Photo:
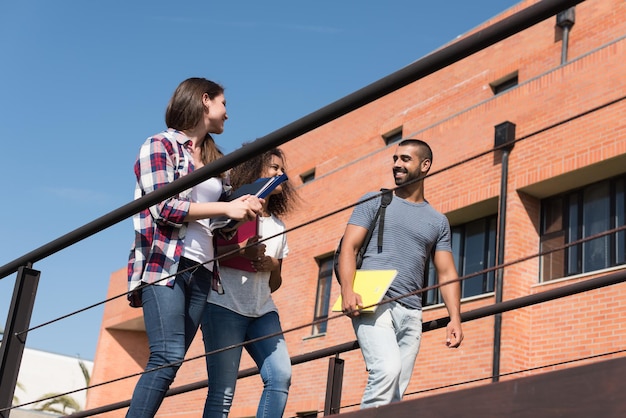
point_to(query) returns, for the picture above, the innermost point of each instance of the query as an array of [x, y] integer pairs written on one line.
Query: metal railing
[[26, 284], [335, 372]]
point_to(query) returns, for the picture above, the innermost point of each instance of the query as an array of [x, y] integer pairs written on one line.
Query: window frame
[[394, 136], [308, 176], [459, 245], [573, 260], [505, 83], [322, 294]]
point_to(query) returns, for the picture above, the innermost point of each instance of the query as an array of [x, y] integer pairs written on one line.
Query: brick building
[[563, 87]]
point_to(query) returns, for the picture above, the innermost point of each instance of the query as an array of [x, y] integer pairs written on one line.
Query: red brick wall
[[455, 111]]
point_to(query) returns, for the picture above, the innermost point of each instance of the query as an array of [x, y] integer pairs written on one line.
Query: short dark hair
[[425, 151]]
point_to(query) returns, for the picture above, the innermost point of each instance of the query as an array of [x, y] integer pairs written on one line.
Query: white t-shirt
[[248, 293], [198, 241]]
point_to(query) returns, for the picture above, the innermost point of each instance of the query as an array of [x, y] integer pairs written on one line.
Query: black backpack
[[385, 200]]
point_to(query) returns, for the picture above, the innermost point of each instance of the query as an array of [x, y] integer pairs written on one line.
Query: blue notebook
[[261, 188]]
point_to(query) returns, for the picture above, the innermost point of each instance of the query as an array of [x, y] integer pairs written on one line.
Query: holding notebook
[[246, 230], [372, 286], [415, 237], [261, 188]]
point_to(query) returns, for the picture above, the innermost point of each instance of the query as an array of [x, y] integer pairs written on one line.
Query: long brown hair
[[210, 151], [252, 169], [185, 110]]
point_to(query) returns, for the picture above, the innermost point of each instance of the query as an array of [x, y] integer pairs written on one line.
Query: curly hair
[[252, 169]]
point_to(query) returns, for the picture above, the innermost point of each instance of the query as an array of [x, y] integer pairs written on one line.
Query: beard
[[407, 178]]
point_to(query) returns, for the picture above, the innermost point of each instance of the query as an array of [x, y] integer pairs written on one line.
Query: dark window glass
[[392, 137], [473, 249], [620, 214], [596, 219], [491, 253], [475, 257], [586, 212], [322, 299], [553, 221], [552, 261], [505, 83], [308, 176], [573, 231]]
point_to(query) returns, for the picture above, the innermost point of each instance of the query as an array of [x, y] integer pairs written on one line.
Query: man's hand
[[454, 334], [351, 302], [352, 240]]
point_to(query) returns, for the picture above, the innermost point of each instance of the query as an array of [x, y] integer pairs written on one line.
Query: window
[[322, 299], [393, 136], [474, 250], [577, 215], [505, 83], [308, 176]]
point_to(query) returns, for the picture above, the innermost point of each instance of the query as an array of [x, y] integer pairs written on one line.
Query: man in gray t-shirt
[[413, 231]]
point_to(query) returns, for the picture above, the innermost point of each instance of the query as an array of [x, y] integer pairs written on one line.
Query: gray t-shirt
[[412, 233]]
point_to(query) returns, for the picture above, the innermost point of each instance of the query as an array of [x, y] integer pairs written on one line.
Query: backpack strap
[[385, 200], [370, 231]]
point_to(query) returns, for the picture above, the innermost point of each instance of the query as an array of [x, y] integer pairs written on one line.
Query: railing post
[[13, 341], [333, 386]]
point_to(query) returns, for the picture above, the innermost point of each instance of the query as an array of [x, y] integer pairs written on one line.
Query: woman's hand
[[251, 251], [265, 263], [244, 208]]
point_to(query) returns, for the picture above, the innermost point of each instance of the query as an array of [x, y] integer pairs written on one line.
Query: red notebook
[[245, 231]]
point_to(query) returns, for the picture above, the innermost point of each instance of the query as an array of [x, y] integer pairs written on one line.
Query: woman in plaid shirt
[[170, 268]]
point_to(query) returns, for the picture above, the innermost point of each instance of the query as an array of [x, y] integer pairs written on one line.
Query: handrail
[[427, 65], [479, 313]]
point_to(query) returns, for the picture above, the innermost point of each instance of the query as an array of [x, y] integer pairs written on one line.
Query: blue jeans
[[221, 328], [171, 316], [390, 340]]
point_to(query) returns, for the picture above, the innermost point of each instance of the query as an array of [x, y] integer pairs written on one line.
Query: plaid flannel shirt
[[160, 229]]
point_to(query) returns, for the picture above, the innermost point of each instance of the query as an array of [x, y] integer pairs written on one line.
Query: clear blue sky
[[83, 83]]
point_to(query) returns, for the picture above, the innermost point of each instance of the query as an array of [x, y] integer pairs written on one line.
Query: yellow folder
[[372, 286]]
